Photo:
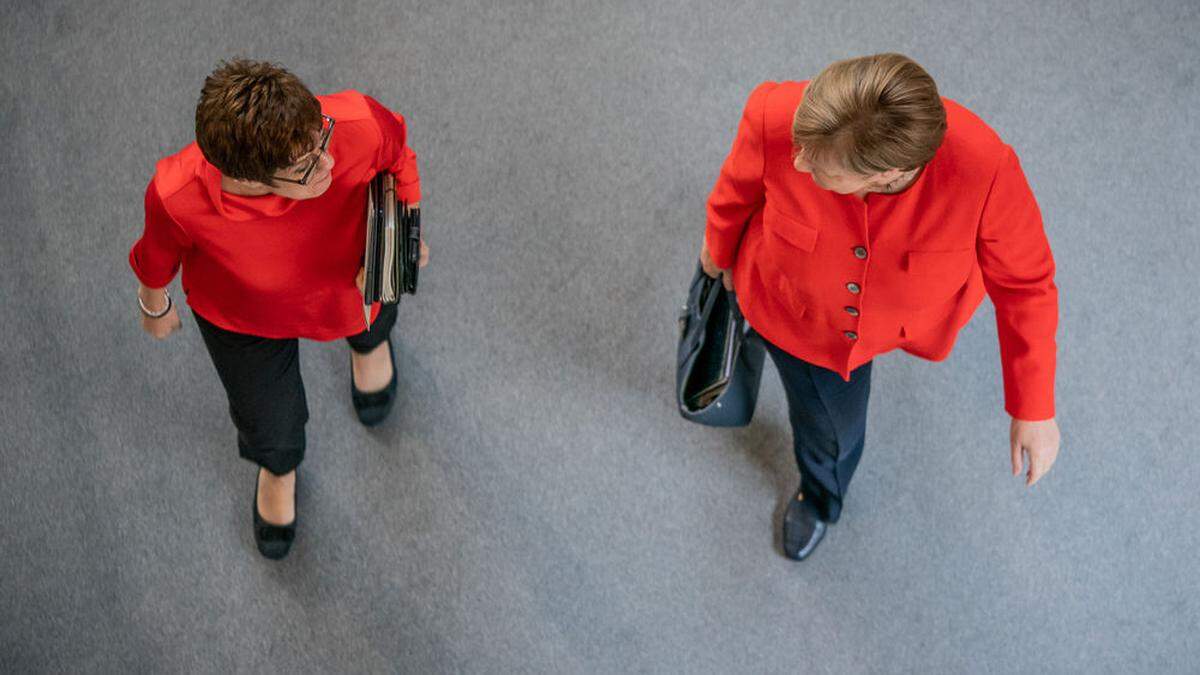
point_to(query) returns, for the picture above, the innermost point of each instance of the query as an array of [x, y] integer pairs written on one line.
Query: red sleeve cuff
[[722, 252], [1031, 412], [1029, 389], [148, 278]]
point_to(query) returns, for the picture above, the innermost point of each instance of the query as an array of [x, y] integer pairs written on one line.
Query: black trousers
[[829, 425], [266, 394]]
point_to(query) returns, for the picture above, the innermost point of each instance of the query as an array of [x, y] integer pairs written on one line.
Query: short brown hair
[[871, 114], [255, 118]]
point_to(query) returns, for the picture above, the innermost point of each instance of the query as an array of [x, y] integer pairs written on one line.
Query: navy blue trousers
[[829, 426]]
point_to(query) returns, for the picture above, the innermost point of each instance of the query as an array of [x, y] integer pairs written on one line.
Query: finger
[[1015, 452], [727, 279], [1039, 469]]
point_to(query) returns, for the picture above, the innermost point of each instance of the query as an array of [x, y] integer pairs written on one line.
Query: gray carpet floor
[[536, 504]]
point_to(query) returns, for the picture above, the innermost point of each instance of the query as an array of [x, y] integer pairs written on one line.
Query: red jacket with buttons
[[268, 265], [836, 280]]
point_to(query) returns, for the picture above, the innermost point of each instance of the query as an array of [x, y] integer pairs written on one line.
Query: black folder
[[393, 246]]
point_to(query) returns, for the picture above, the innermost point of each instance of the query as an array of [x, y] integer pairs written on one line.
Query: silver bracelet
[[152, 315]]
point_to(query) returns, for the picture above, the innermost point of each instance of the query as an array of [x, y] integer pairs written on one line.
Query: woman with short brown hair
[[265, 213]]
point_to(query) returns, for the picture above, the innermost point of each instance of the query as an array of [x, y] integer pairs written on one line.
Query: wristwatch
[[154, 315]]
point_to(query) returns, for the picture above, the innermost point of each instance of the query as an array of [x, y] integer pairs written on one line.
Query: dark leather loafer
[[274, 541], [802, 528], [373, 407]]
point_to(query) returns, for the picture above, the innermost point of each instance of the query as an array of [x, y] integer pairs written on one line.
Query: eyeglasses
[[326, 133]]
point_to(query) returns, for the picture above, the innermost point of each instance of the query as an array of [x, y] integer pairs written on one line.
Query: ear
[[889, 175]]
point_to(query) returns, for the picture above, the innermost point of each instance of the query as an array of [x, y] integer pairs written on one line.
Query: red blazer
[[268, 265], [836, 280]]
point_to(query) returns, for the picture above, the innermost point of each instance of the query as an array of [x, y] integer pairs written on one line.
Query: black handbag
[[720, 360]]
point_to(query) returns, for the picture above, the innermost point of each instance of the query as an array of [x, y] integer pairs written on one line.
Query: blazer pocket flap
[[792, 230], [940, 262]]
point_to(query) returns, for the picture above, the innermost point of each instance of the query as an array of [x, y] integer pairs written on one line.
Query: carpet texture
[[536, 504]]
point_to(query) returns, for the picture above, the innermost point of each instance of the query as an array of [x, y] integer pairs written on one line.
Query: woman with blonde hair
[[862, 212]]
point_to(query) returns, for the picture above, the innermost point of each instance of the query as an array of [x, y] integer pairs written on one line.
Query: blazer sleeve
[[738, 192], [156, 256], [1018, 272], [394, 153]]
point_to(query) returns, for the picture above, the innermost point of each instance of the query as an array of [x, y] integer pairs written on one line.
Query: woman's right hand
[[711, 269], [163, 326]]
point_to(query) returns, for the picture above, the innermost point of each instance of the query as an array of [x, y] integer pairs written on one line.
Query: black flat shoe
[[802, 528], [274, 541], [373, 407]]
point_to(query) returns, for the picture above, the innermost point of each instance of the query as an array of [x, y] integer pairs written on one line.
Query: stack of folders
[[393, 250]]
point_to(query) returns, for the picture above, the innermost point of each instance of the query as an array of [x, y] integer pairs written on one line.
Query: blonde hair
[[870, 114]]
